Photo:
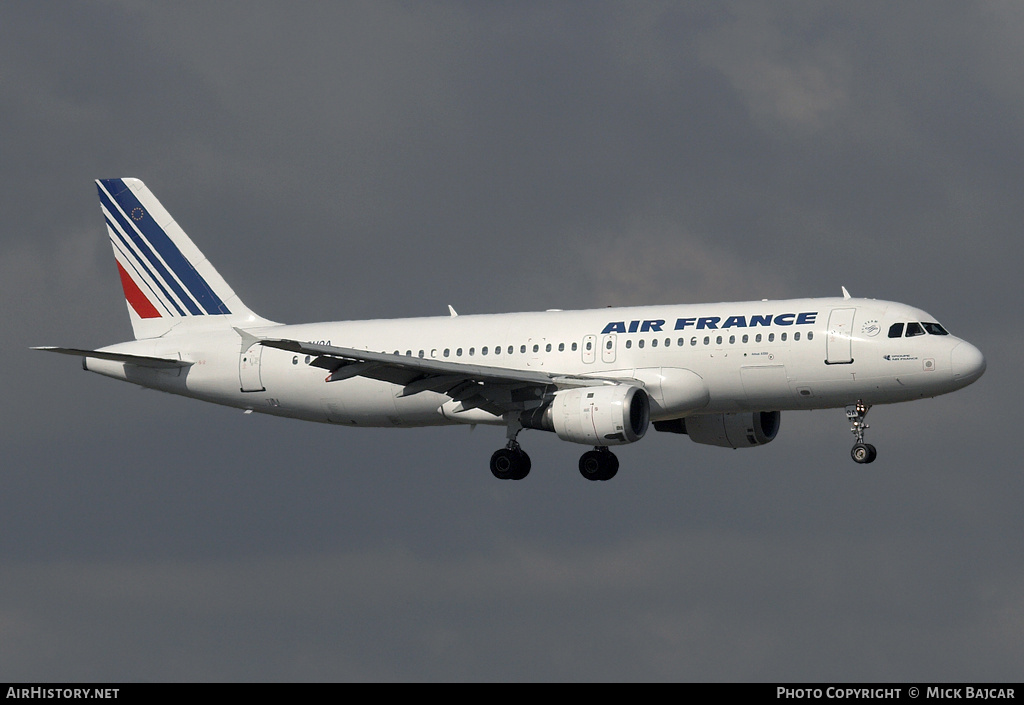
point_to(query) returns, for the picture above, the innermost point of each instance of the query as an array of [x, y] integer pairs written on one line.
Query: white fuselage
[[749, 356]]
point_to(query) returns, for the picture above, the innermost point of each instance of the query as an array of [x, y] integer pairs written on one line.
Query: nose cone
[[968, 363]]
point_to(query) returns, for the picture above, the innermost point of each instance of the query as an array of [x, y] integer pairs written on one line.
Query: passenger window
[[654, 343], [458, 353], [522, 348], [483, 350], [757, 338], [574, 347], [536, 348], [629, 344], [693, 341], [447, 351], [510, 348], [640, 344], [589, 346], [746, 338], [783, 337], [707, 340], [608, 345], [681, 342], [914, 329], [896, 330], [421, 353], [547, 348], [732, 340], [718, 340], [771, 337], [561, 347], [471, 351], [810, 335], [668, 342], [796, 336]]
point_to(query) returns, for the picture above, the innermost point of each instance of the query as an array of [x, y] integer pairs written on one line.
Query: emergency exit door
[[249, 369]]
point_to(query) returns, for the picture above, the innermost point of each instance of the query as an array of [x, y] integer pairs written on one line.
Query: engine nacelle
[[596, 416], [744, 430]]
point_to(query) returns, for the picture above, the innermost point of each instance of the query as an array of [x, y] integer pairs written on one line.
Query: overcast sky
[[383, 160]]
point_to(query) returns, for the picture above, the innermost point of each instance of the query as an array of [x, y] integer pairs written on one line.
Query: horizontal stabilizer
[[159, 363]]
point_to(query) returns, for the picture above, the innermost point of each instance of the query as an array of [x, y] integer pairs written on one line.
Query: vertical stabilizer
[[167, 281]]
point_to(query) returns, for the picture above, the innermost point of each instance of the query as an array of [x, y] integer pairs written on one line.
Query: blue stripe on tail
[[154, 238]]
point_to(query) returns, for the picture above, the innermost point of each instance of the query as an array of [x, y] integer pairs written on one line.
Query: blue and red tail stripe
[[144, 273], [145, 244], [139, 302]]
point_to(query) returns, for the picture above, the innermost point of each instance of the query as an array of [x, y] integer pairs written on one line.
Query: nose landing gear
[[861, 452]]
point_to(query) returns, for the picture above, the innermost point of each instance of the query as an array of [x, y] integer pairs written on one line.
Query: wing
[[496, 390]]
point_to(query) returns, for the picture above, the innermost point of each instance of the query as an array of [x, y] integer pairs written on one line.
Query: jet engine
[[597, 416], [744, 430]]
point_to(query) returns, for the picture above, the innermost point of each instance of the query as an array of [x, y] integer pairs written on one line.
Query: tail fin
[[167, 281]]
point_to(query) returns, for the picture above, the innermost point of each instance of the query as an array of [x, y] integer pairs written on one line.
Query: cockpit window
[[934, 329], [896, 330], [914, 329]]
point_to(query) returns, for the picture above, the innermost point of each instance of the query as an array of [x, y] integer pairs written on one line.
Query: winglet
[[452, 311], [846, 294]]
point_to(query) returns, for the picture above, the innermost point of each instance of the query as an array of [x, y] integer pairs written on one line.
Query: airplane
[[720, 373]]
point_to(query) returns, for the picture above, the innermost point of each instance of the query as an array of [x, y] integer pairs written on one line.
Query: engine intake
[[597, 416]]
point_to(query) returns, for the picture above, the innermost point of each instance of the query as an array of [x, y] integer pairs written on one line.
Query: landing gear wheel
[[864, 453], [599, 464], [510, 464]]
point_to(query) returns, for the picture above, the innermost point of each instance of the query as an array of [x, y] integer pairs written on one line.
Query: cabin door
[[839, 341]]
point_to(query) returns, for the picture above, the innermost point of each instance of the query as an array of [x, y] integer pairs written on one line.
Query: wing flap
[[494, 389], [415, 364]]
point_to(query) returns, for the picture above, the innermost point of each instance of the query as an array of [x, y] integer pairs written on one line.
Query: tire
[[872, 453], [508, 464], [863, 453], [599, 465], [503, 464], [522, 465], [590, 465]]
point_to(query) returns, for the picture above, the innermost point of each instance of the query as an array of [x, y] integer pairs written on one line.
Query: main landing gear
[[511, 462], [599, 464], [862, 452]]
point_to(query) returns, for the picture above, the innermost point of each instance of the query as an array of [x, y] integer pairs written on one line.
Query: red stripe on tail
[[136, 299]]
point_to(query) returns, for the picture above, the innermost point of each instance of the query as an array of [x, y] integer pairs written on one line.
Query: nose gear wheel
[[861, 452]]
